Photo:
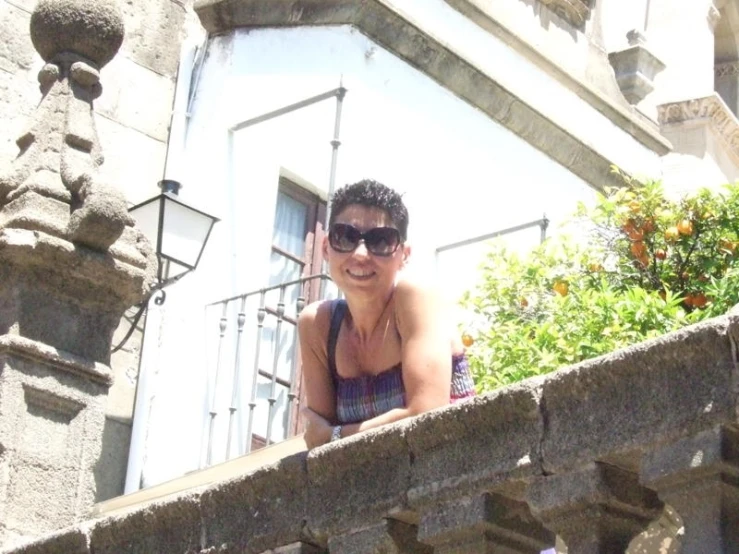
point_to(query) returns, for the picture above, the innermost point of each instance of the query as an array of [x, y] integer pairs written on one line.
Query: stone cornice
[[382, 23], [710, 108], [22, 347], [574, 11]]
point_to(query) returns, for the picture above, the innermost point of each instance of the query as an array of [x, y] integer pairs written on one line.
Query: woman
[[383, 353]]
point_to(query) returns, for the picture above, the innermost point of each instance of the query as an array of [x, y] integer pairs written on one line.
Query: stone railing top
[[711, 109], [586, 430]]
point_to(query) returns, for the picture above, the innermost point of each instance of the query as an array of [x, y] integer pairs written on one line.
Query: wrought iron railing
[[232, 341]]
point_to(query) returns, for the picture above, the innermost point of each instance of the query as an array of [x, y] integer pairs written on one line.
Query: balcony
[[254, 357], [638, 447]]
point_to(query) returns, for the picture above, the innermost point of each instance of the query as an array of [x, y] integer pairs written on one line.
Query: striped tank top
[[362, 398]]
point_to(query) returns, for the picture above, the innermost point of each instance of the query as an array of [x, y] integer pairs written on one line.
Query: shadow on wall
[[110, 469]]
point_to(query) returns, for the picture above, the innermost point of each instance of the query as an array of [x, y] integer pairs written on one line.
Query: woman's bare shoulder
[[414, 289], [314, 318]]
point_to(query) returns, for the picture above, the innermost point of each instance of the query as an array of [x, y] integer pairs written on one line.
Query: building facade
[[486, 114]]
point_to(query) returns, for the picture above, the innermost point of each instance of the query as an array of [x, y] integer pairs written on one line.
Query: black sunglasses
[[380, 241]]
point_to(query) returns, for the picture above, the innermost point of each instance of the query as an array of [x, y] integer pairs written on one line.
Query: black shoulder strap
[[339, 309]]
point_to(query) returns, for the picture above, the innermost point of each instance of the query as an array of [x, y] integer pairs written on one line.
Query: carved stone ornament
[[728, 69], [711, 108], [60, 154], [574, 11], [635, 69]]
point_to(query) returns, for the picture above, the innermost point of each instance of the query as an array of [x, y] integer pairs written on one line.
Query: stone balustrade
[[592, 454]]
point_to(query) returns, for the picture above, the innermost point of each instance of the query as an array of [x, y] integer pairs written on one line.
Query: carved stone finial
[[91, 29], [54, 185]]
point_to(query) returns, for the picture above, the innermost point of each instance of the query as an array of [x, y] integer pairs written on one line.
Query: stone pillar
[[71, 263], [699, 477], [681, 35], [596, 510], [486, 523]]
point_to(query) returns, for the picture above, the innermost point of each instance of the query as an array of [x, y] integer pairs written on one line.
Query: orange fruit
[[699, 300], [727, 246], [638, 249], [561, 288], [685, 227], [660, 254], [636, 234], [467, 340], [523, 302], [648, 226], [672, 234]]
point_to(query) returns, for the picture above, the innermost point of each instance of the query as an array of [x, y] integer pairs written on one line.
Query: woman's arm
[[320, 396]]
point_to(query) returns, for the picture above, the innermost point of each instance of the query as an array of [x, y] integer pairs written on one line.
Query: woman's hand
[[317, 429]]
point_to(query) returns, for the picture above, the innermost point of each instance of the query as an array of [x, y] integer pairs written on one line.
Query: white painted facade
[[463, 174]]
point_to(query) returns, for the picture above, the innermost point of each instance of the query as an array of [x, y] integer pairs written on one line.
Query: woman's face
[[360, 271]]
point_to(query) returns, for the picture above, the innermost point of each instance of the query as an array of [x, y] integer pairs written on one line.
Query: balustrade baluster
[[292, 395], [273, 385], [261, 312], [223, 324], [235, 388]]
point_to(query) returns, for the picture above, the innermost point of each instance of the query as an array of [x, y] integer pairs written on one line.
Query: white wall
[[462, 175]]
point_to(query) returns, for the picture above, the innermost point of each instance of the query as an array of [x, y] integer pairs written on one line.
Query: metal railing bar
[[222, 325], [273, 385], [271, 288], [253, 396], [235, 381], [292, 393], [268, 375], [287, 109], [285, 317], [542, 223]]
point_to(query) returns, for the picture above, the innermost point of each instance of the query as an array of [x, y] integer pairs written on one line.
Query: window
[[295, 253]]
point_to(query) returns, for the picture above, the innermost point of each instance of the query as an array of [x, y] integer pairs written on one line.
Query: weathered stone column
[[70, 264], [596, 510], [699, 477]]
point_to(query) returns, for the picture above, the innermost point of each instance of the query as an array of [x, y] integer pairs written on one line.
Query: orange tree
[[644, 264]]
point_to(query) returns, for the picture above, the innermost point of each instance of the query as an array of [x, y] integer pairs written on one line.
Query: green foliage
[[647, 265]]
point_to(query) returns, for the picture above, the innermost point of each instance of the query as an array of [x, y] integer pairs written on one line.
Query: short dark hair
[[372, 194]]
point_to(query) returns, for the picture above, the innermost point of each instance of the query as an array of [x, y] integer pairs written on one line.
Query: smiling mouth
[[360, 275]]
